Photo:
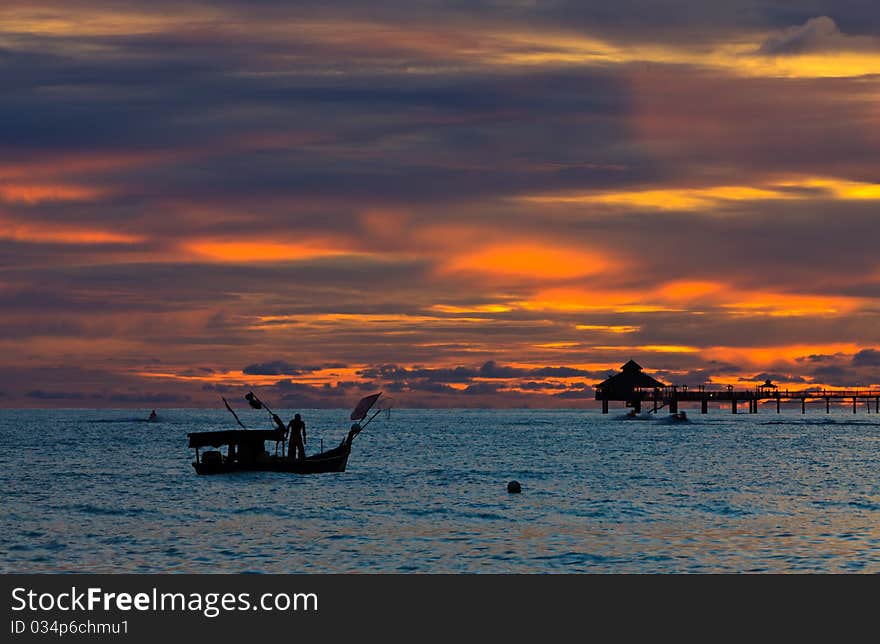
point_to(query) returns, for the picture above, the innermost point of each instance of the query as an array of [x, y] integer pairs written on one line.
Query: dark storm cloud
[[843, 370], [818, 358], [223, 389], [423, 386], [836, 376], [820, 34], [302, 395], [149, 398], [774, 377], [284, 368], [491, 369], [484, 383], [395, 373], [583, 393], [714, 371], [39, 394], [532, 385], [481, 389], [867, 358]]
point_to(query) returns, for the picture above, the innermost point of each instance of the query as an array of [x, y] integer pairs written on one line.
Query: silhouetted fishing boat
[[246, 447]]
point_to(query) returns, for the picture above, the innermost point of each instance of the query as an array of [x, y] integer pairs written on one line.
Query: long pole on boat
[[233, 413], [370, 419], [256, 403]]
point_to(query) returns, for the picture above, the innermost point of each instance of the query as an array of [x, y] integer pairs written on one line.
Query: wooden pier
[[637, 389]]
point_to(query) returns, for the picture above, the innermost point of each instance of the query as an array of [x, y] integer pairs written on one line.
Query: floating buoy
[[514, 487]]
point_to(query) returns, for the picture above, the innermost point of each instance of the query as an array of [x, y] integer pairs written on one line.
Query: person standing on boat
[[297, 429]]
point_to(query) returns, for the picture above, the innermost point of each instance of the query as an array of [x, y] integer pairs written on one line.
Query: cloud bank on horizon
[[490, 205]]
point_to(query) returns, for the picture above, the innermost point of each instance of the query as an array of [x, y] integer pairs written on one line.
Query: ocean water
[[425, 491]]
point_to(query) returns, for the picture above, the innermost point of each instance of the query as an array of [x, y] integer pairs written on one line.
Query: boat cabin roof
[[234, 437]]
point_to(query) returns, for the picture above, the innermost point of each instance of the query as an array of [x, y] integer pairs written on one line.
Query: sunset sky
[[462, 204]]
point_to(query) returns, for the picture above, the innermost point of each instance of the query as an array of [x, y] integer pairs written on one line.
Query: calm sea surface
[[425, 491]]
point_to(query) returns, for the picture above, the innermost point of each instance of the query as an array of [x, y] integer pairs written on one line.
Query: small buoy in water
[[514, 487]]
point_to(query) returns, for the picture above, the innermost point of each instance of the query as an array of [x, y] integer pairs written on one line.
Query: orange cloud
[[260, 251], [650, 348], [593, 299], [388, 322], [706, 197], [770, 355], [608, 328], [532, 262], [62, 234], [477, 308], [85, 21], [37, 193], [679, 296]]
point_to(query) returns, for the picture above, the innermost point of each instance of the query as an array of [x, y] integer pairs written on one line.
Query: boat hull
[[333, 460]]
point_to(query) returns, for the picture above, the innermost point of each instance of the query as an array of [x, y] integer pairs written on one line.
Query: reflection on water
[[102, 491]]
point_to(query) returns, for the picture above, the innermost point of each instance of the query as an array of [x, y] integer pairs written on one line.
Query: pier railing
[[671, 396]]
